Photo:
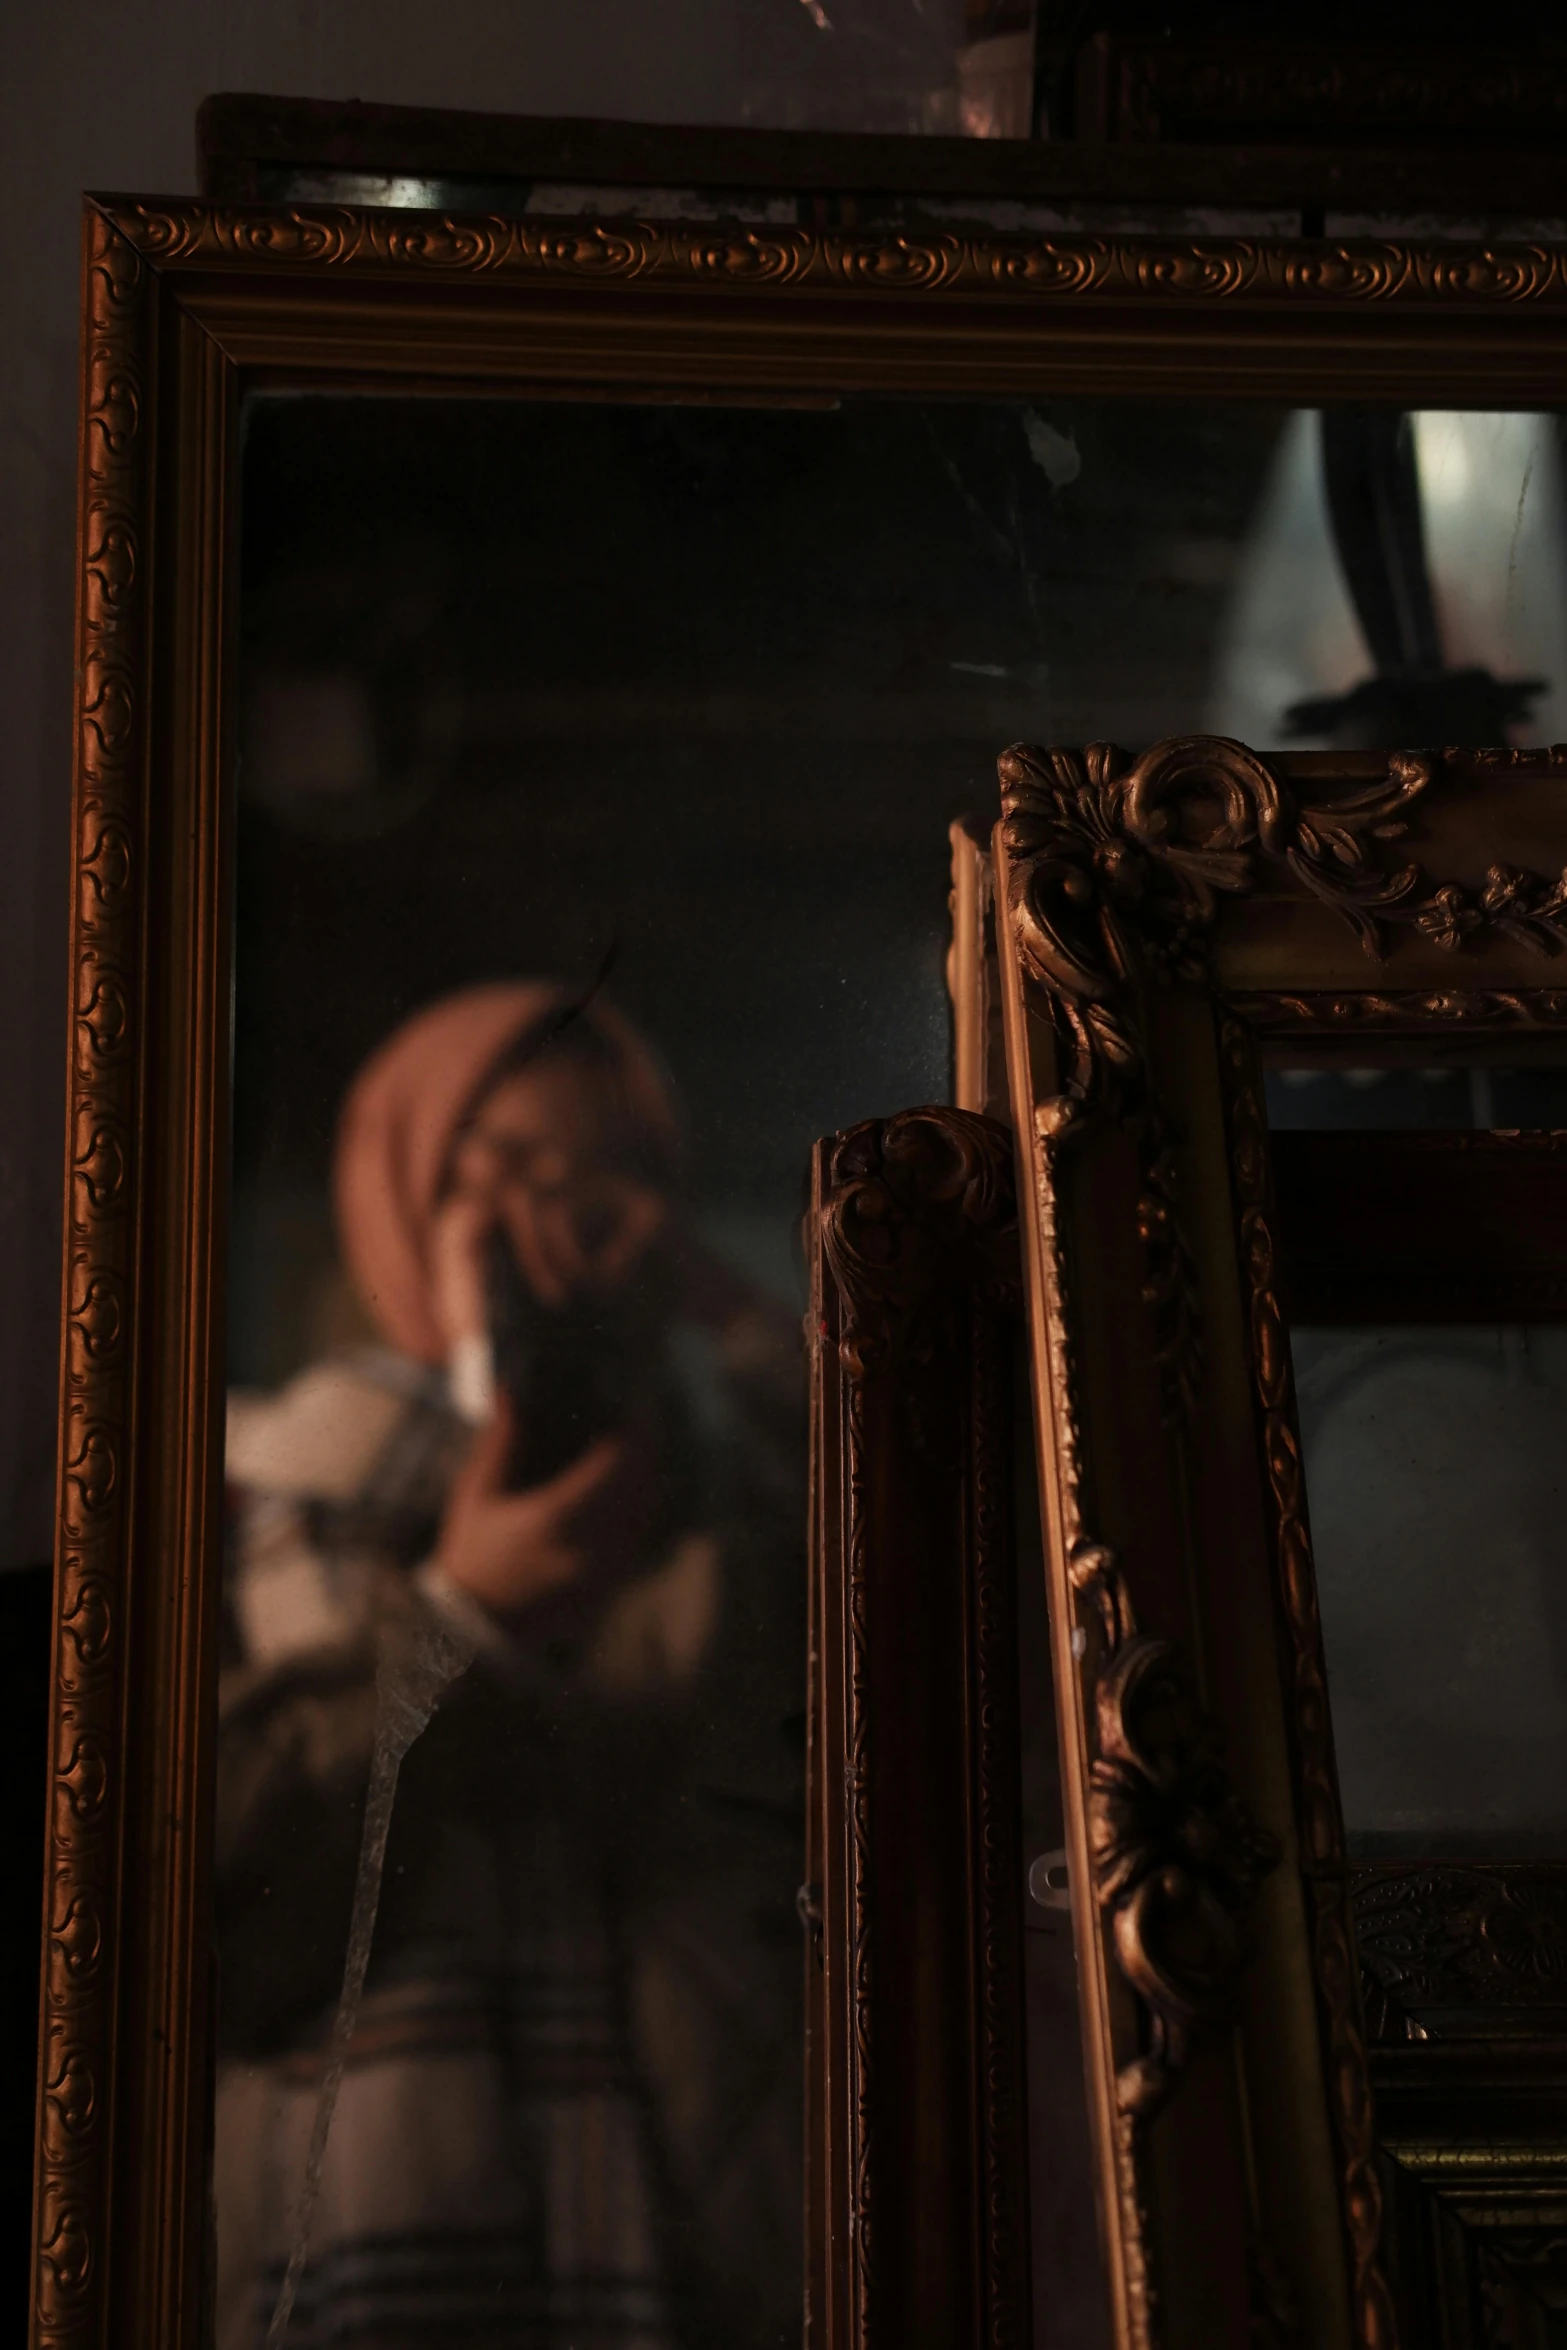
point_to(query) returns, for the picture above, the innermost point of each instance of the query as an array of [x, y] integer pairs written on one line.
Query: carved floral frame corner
[[1117, 869]]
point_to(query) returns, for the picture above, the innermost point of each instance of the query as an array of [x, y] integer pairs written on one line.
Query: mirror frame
[[1163, 921], [187, 307]]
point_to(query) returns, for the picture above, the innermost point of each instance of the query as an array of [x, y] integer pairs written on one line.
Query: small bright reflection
[[1491, 496], [384, 190], [1492, 492], [1442, 445]]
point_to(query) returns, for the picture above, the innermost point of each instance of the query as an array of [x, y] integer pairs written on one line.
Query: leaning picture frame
[[916, 2083], [1177, 930], [189, 309]]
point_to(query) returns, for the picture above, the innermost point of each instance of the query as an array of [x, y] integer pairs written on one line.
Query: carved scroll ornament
[[1119, 864], [1117, 868], [1337, 274], [1176, 1855], [904, 1192], [1478, 1942]]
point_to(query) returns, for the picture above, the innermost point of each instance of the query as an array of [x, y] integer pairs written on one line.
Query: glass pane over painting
[[594, 773], [1437, 1480]]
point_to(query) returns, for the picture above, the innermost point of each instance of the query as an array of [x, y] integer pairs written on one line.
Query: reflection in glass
[[673, 706], [527, 690], [1436, 1474], [509, 1788], [1492, 575]]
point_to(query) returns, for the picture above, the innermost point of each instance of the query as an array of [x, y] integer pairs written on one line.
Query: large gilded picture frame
[[186, 308], [1171, 923]]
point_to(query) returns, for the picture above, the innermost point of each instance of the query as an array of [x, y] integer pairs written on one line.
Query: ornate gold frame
[[1161, 919], [185, 307]]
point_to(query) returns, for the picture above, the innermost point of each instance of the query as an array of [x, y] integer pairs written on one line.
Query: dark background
[[525, 684]]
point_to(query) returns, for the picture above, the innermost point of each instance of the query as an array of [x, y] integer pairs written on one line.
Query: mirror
[[1433, 1470], [593, 767], [593, 761], [532, 687]]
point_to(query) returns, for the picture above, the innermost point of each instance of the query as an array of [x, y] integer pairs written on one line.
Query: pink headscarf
[[402, 1116]]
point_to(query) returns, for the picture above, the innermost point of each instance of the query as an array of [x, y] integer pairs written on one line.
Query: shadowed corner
[[24, 1732]]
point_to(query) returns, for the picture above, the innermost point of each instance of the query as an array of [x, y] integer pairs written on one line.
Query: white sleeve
[[470, 1378], [287, 1599]]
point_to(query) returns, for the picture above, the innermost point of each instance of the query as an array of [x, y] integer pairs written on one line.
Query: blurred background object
[[1405, 580], [996, 70]]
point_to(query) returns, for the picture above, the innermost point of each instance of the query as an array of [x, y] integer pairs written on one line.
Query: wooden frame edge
[[85, 1799], [914, 1284], [1350, 275]]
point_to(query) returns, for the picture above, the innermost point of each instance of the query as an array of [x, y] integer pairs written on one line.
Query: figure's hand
[[510, 1550]]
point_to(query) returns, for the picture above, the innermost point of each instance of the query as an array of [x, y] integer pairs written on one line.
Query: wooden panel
[[246, 144]]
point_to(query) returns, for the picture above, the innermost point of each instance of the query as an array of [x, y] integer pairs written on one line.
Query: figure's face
[[547, 1154]]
